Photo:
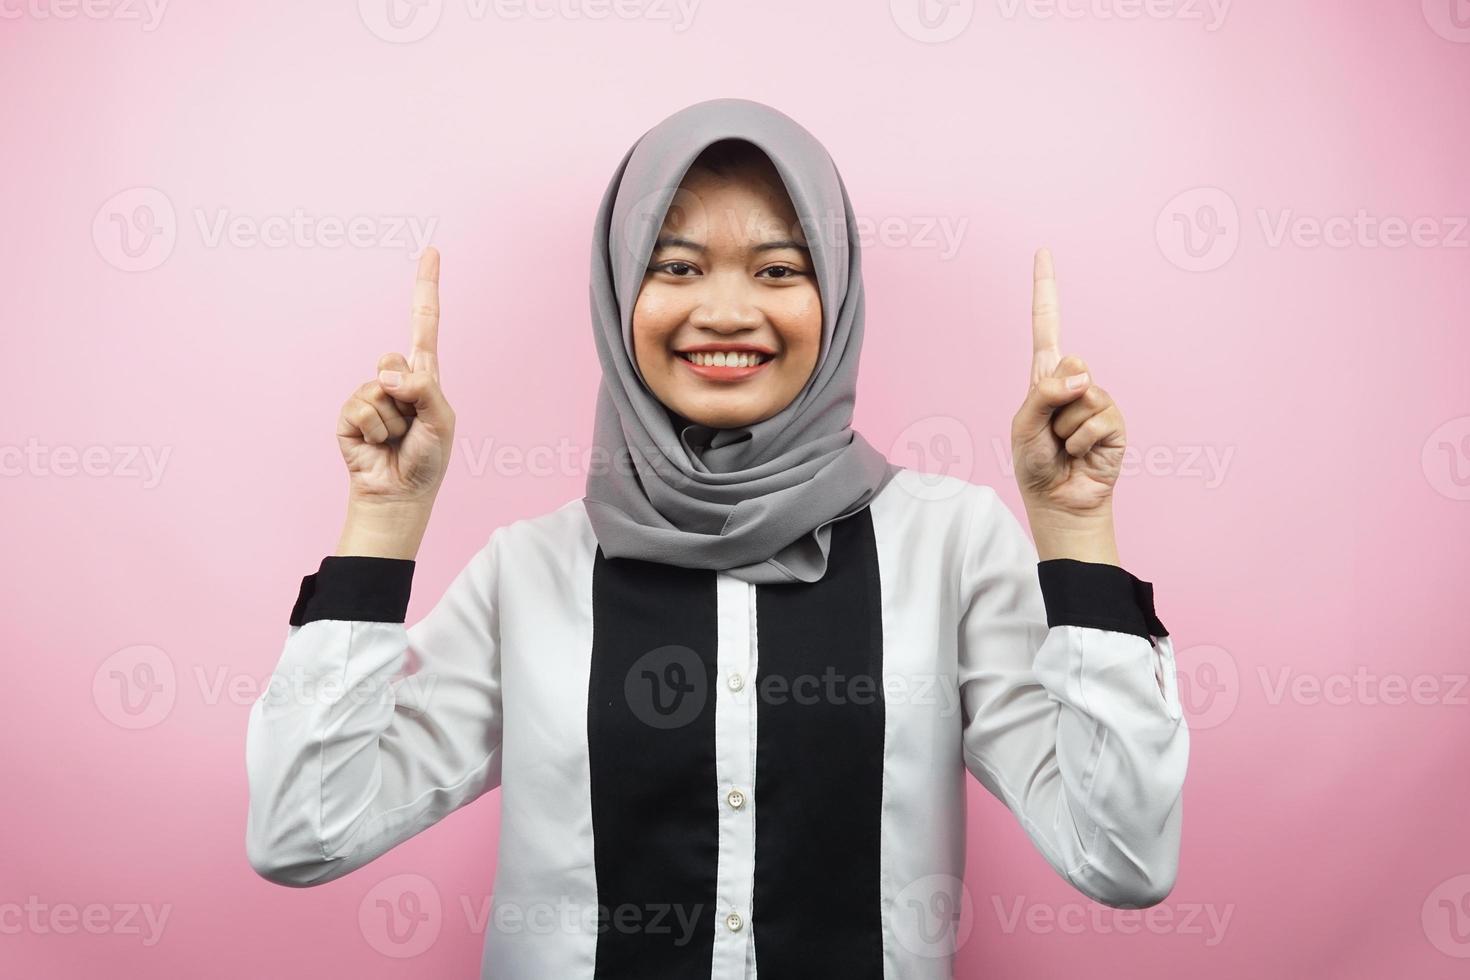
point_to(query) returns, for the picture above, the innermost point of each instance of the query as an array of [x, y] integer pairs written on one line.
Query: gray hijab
[[756, 501]]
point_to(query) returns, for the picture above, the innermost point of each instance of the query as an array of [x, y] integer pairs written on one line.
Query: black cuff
[[1087, 593], [355, 587]]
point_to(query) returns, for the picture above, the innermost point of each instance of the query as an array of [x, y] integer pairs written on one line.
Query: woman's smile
[[725, 363]]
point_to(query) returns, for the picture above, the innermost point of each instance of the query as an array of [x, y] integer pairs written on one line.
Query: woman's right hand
[[396, 430]]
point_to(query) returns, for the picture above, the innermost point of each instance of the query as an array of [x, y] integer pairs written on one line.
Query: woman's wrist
[[383, 530], [1081, 537]]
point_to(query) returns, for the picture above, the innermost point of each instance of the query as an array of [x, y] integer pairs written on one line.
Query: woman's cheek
[[652, 325], [804, 319]]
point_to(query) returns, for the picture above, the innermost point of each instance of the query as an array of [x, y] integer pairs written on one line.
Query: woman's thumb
[[419, 389], [1045, 397]]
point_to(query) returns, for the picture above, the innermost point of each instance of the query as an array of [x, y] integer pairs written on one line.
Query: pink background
[[1301, 407]]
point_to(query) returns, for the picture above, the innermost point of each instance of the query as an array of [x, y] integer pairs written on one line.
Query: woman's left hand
[[1066, 442]]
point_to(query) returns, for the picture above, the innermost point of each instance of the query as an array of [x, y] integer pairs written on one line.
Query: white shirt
[[699, 776]]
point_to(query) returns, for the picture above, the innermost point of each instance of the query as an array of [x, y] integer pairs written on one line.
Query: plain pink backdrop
[[1297, 400]]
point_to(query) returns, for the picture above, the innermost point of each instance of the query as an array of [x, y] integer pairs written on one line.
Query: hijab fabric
[[756, 501]]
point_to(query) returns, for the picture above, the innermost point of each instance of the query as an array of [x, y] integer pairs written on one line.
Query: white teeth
[[725, 358]]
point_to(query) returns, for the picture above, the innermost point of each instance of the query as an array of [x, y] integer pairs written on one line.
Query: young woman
[[731, 694]]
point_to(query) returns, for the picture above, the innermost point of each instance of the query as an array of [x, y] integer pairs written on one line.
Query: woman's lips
[[713, 373]]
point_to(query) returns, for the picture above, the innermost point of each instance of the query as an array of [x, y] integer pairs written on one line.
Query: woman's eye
[[788, 271], [673, 268]]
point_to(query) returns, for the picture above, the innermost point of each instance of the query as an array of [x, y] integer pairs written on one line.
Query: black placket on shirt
[[819, 767], [651, 749], [816, 908]]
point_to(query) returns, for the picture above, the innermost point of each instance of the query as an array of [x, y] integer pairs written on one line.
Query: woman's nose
[[726, 306]]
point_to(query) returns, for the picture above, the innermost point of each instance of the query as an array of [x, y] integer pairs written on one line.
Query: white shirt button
[[733, 922], [736, 682], [735, 798]]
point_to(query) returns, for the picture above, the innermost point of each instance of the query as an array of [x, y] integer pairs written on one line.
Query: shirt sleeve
[[371, 731], [1071, 709]]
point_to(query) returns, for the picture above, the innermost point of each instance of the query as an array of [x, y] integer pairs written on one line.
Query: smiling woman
[[733, 692], [728, 321]]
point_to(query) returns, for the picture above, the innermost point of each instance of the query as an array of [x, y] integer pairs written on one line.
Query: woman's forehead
[[744, 205]]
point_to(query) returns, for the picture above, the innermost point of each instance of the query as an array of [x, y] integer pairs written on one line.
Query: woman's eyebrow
[[673, 241], [782, 243]]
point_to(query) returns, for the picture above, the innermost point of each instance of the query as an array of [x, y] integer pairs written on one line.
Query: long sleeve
[[1071, 710], [370, 731]]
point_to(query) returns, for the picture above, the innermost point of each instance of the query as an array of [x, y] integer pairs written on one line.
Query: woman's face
[[728, 321]]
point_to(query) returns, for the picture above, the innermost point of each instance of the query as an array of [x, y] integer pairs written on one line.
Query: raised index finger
[[425, 310], [1046, 321]]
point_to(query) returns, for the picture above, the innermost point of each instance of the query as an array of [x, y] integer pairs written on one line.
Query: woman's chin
[[726, 416]]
